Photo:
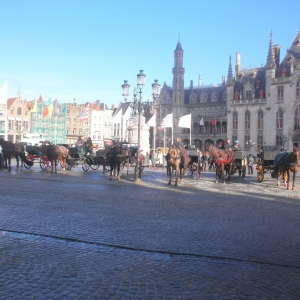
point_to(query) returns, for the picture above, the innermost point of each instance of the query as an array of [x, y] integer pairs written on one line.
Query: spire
[[230, 75], [270, 59], [200, 83], [178, 47]]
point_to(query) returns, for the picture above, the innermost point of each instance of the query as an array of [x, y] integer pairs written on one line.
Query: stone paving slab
[[81, 236]]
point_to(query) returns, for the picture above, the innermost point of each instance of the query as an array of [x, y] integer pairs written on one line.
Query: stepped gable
[[292, 54], [256, 77], [208, 90]]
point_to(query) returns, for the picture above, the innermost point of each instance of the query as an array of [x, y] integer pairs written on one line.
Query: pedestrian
[[250, 164], [152, 160], [204, 161]]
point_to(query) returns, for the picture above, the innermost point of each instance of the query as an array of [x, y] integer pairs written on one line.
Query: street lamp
[[250, 144], [137, 109]]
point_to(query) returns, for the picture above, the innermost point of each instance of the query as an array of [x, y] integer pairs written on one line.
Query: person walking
[[152, 160], [250, 164]]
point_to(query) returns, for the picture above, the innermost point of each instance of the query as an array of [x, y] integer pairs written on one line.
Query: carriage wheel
[[94, 167], [85, 165], [44, 162], [260, 172], [30, 158], [69, 164]]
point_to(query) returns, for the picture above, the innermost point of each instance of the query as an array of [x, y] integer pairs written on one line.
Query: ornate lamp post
[[137, 110], [250, 144]]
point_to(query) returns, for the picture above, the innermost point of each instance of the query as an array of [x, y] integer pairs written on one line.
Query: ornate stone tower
[[178, 85]]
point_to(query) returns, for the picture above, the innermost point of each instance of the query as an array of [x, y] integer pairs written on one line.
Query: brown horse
[[11, 150], [175, 162], [289, 165], [55, 153], [223, 161]]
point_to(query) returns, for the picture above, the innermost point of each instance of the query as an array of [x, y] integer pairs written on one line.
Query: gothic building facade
[[204, 103], [256, 106]]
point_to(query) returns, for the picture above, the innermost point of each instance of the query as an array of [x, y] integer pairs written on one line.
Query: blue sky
[[84, 50]]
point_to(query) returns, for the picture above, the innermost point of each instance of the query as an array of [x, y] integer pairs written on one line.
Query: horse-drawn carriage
[[264, 161], [34, 154], [239, 163], [194, 163], [82, 156]]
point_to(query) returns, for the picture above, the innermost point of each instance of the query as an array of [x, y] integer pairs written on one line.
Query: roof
[[252, 79], [208, 90], [10, 101], [293, 53]]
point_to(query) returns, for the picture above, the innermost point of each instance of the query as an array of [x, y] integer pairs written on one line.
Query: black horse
[[11, 150], [116, 157]]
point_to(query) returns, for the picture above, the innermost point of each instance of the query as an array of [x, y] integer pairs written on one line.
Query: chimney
[[238, 64], [276, 55]]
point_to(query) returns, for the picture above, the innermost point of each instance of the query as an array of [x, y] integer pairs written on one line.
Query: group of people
[[155, 159]]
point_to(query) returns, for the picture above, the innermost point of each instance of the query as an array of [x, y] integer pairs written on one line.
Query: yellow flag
[[50, 110], [34, 108]]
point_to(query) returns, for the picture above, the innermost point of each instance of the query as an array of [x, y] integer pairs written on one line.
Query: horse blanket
[[280, 158]]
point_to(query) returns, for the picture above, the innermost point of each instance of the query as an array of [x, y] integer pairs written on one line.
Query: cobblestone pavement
[[77, 235]]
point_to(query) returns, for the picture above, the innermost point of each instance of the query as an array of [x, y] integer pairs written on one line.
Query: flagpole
[[164, 140], [154, 133], [191, 131], [172, 129]]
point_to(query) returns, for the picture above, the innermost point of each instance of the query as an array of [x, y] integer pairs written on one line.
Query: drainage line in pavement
[[151, 251]]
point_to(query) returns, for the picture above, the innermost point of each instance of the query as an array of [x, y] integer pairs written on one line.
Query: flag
[[185, 121], [34, 106], [48, 110], [133, 122], [152, 121], [167, 121], [3, 94], [84, 114], [201, 122], [213, 121], [55, 108]]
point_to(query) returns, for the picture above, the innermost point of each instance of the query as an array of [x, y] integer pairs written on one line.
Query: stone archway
[[198, 144], [207, 143]]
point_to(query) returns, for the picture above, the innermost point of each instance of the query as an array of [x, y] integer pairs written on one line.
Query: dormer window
[[236, 96]]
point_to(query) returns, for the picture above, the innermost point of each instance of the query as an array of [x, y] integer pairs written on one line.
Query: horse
[[55, 153], [223, 162], [289, 165], [16, 150], [115, 157], [175, 162]]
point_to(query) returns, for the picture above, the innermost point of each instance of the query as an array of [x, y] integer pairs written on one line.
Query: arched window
[[218, 125], [196, 127], [235, 120], [279, 118], [214, 97], [206, 127], [298, 90], [224, 127], [297, 119], [19, 111], [260, 120], [247, 119], [203, 97], [193, 98]]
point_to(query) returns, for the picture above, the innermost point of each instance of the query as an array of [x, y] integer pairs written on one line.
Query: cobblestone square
[[76, 235]]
